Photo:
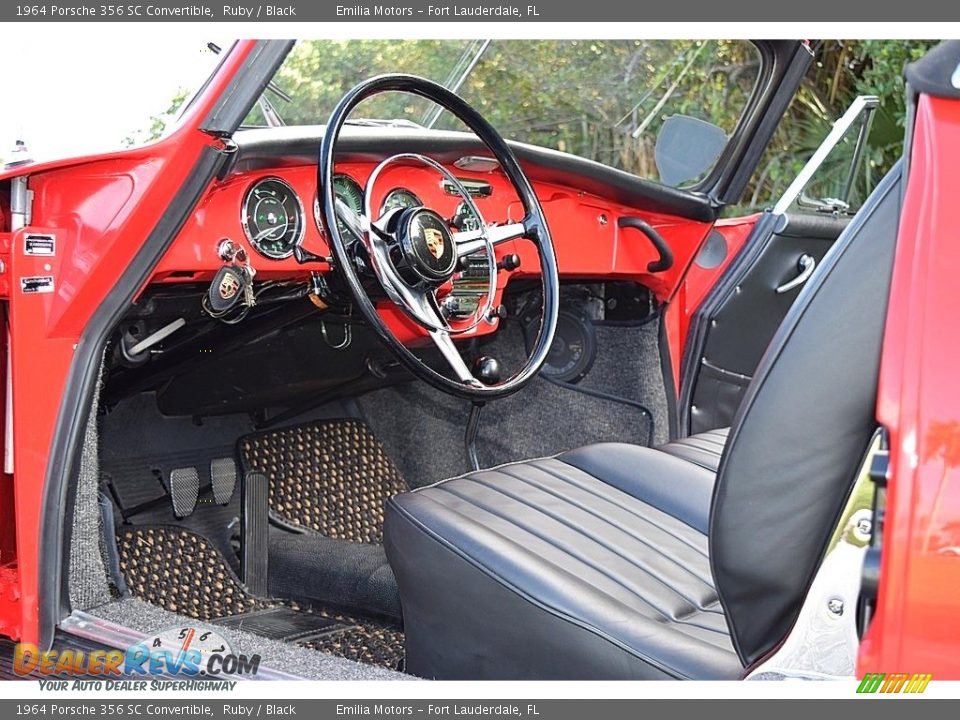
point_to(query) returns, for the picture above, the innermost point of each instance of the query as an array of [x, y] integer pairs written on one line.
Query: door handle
[[805, 265]]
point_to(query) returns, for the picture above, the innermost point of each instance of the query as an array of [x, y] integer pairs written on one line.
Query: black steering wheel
[[413, 251]]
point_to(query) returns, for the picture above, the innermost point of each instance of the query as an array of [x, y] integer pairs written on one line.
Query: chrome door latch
[[806, 265]]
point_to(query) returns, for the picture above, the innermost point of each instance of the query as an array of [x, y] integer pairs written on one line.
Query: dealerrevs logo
[[179, 651], [894, 683]]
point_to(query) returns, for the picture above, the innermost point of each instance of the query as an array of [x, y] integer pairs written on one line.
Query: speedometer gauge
[[399, 198], [272, 218], [348, 190]]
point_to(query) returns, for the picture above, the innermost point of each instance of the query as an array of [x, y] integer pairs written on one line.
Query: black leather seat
[[691, 561], [703, 449]]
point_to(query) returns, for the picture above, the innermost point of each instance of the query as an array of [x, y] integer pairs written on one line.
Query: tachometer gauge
[[272, 218], [399, 198], [348, 190]]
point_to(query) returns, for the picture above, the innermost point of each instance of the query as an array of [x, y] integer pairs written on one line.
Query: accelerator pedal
[[223, 479], [184, 489], [255, 524]]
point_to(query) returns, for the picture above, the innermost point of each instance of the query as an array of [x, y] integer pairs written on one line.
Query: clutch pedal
[[184, 489]]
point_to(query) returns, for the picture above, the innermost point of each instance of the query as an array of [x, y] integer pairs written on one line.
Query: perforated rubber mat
[[330, 476], [370, 644], [181, 571]]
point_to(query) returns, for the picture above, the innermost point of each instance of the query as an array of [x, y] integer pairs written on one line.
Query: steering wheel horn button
[[427, 244]]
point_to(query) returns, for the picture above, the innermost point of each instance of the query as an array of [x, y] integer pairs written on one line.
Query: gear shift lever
[[470, 439]]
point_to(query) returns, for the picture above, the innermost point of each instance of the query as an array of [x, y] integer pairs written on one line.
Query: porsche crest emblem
[[434, 240], [229, 286]]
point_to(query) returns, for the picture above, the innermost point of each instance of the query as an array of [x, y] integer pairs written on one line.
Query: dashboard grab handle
[[666, 255]]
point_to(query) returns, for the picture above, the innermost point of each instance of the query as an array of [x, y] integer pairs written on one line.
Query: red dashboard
[[588, 242]]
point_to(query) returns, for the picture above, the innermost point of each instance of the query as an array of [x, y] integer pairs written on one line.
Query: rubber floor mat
[[333, 477], [365, 643], [182, 572]]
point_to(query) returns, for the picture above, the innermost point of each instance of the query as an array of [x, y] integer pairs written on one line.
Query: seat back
[[801, 432]]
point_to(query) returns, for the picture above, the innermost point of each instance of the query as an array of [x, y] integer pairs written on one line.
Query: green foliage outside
[[841, 71], [606, 99]]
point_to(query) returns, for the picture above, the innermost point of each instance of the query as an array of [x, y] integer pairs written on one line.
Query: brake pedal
[[184, 489], [254, 523], [223, 479]]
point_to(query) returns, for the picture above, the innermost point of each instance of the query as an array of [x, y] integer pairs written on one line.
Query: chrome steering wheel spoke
[[471, 241]]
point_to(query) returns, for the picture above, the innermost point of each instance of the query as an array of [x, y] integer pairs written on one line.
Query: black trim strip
[[248, 84], [669, 386], [791, 61]]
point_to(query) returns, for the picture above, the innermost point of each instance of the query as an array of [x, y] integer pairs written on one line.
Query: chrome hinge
[[21, 203]]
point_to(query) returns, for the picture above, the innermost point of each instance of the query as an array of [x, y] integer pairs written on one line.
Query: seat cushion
[[571, 567], [703, 449]]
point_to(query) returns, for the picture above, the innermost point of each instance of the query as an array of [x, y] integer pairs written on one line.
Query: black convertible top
[[938, 72]]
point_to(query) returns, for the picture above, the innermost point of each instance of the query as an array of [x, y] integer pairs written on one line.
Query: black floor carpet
[[422, 428]]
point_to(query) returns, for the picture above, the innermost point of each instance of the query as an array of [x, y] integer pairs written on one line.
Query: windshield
[[108, 95], [604, 100]]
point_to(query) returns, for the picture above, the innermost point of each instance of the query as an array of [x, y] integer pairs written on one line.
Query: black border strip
[[754, 246]]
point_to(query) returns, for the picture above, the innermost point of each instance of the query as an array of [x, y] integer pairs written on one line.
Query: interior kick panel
[[737, 321]]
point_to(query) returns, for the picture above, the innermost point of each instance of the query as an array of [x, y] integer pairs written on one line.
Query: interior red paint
[[102, 208], [916, 627], [587, 240]]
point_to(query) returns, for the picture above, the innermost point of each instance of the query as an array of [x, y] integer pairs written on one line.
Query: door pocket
[[719, 393]]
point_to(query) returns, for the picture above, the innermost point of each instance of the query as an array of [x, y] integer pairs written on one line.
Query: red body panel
[[101, 210], [917, 624]]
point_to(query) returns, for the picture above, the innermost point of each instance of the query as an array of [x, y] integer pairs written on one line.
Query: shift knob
[[487, 370]]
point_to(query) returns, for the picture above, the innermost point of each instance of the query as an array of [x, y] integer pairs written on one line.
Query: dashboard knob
[[498, 312], [487, 370], [509, 262]]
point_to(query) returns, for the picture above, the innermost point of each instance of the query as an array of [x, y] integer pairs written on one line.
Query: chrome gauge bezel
[[400, 189], [301, 217]]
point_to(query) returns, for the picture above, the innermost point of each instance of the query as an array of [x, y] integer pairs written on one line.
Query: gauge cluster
[[272, 214], [400, 198]]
